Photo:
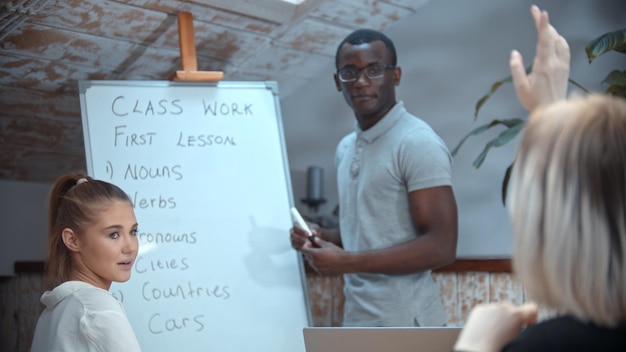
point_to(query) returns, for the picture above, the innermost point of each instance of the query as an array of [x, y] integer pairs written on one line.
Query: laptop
[[380, 339]]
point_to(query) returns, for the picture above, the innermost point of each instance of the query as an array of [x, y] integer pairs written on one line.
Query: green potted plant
[[615, 80]]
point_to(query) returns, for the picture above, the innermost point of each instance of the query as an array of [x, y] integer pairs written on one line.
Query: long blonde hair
[[568, 208]]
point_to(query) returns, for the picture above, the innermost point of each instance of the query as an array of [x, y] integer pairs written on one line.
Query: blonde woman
[[568, 210], [92, 242]]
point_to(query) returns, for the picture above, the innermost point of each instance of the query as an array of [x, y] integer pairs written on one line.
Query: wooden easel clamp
[[189, 62]]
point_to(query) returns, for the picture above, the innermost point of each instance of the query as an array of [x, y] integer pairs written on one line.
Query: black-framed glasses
[[351, 74]]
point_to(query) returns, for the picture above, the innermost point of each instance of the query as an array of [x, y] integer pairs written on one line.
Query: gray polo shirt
[[376, 170]]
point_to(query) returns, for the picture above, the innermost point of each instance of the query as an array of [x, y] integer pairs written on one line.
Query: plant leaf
[[617, 90], [505, 182], [615, 77], [493, 89], [617, 83], [503, 138], [615, 40], [579, 85], [478, 130]]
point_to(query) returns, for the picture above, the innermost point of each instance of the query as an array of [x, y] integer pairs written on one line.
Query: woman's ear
[[70, 239]]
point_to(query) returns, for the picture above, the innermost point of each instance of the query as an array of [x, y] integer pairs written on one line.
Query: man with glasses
[[397, 211]]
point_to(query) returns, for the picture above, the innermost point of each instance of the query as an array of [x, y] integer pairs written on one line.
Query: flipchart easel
[[188, 58]]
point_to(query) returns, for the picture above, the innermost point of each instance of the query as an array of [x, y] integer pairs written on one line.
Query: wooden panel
[[469, 265], [9, 305], [23, 163], [326, 299], [133, 31], [229, 38], [361, 13], [43, 139], [312, 35], [279, 60], [212, 41], [338, 302], [69, 47], [449, 293], [37, 104], [287, 84], [86, 56], [504, 287], [271, 10], [44, 133], [24, 267], [42, 75], [413, 5], [208, 14], [486, 265], [226, 43], [472, 289], [320, 297], [162, 63], [107, 19], [20, 309], [30, 290]]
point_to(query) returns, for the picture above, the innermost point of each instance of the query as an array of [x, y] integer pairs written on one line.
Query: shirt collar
[[383, 125]]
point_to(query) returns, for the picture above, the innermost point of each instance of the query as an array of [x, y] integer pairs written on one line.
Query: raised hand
[[547, 81]]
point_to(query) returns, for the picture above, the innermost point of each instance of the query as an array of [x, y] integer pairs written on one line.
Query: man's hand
[[328, 259], [548, 80], [299, 236]]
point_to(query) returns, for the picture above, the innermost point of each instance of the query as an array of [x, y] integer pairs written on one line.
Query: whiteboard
[[206, 168]]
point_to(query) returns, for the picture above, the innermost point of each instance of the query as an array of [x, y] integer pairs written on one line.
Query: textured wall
[[19, 308], [460, 291]]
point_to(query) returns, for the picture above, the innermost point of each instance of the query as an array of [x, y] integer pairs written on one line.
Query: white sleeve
[[109, 330]]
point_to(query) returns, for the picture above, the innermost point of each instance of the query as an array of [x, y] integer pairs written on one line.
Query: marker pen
[[295, 214]]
